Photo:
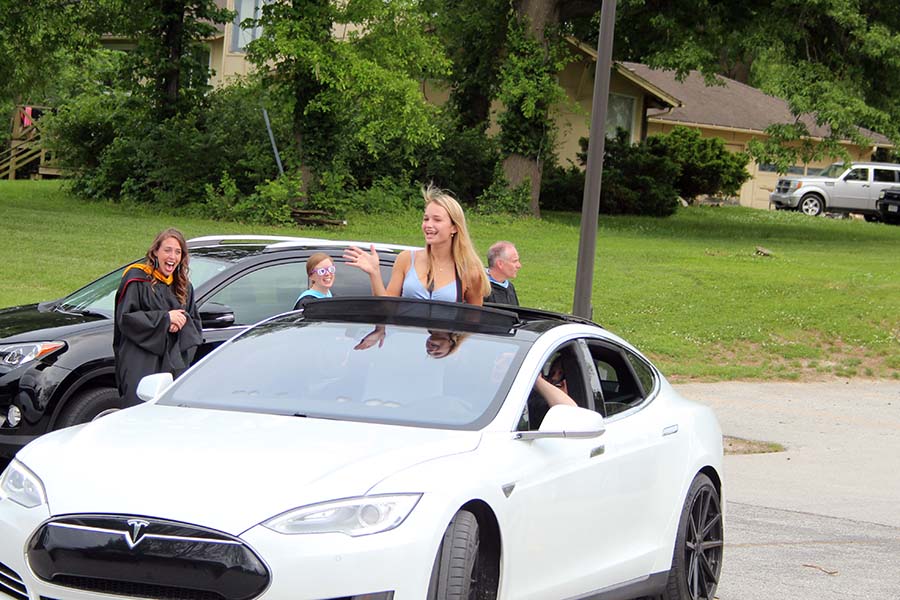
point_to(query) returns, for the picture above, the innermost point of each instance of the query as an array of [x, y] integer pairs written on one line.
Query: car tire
[[89, 405], [452, 577], [812, 205], [697, 559], [872, 218]]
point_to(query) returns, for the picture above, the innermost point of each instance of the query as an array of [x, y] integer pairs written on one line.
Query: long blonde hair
[[465, 258]]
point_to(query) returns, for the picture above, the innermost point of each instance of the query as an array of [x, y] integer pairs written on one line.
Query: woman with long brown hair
[[157, 327], [448, 269]]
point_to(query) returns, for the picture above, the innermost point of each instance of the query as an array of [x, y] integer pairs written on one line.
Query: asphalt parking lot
[[820, 520]]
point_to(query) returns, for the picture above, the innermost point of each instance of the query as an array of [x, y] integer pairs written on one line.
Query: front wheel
[[452, 577], [697, 561], [90, 405], [811, 205]]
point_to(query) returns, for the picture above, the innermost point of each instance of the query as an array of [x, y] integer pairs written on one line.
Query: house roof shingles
[[733, 105]]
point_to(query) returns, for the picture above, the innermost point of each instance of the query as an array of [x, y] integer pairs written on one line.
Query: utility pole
[[590, 204]]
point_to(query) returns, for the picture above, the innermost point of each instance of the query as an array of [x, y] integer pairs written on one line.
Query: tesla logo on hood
[[135, 534]]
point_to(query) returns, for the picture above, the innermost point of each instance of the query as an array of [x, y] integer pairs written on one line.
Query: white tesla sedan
[[376, 449]]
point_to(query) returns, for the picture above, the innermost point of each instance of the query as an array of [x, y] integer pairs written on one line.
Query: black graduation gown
[[142, 342]]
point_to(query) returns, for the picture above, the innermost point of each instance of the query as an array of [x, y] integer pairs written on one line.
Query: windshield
[[833, 171], [100, 295], [385, 374]]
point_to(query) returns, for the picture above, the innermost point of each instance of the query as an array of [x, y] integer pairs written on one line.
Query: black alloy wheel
[[697, 561]]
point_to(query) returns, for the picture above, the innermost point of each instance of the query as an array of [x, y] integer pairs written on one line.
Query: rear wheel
[[453, 575], [89, 405], [811, 205], [697, 561]]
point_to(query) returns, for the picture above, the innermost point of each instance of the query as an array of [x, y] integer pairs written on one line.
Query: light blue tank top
[[413, 288]]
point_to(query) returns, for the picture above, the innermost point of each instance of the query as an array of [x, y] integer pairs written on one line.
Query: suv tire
[[812, 205], [89, 405]]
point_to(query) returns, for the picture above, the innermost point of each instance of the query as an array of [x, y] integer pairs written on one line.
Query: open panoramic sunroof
[[452, 316]]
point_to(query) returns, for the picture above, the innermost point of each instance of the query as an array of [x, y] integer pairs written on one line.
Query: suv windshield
[[833, 171], [100, 295], [357, 372]]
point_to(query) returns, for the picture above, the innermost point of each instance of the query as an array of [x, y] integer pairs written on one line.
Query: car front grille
[[141, 557], [11, 584]]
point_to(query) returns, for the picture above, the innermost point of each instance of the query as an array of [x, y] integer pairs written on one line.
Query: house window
[[620, 115], [245, 9]]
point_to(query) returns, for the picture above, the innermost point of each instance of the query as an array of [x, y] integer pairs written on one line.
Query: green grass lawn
[[690, 291]]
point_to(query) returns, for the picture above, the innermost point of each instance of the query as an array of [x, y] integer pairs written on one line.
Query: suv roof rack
[[282, 242], [433, 314]]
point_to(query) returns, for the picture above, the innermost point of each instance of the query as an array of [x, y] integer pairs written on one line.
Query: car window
[[885, 175], [618, 383], [858, 174], [263, 293], [274, 289], [643, 372], [100, 295], [345, 371], [563, 369]]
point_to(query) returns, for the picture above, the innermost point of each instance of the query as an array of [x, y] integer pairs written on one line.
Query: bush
[[705, 165], [635, 181], [499, 198]]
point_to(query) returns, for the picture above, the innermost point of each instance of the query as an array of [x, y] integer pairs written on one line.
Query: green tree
[[168, 64], [356, 94], [836, 60]]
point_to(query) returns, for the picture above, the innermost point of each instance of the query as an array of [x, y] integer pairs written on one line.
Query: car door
[[579, 507], [882, 179], [852, 191], [645, 447]]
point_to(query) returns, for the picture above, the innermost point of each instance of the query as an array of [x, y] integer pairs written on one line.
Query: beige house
[[734, 112]]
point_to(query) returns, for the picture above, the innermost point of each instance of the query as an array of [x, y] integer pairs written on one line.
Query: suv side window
[[885, 175], [264, 292], [621, 388], [274, 289], [858, 174]]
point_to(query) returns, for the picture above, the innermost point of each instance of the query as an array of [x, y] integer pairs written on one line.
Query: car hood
[[37, 322], [222, 469]]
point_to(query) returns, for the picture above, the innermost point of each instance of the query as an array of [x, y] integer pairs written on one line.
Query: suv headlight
[[352, 516], [16, 355], [22, 486]]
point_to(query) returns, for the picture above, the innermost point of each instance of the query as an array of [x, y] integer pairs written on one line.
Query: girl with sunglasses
[[320, 271]]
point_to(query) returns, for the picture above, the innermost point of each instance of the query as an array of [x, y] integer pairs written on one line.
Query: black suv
[[888, 205], [56, 358]]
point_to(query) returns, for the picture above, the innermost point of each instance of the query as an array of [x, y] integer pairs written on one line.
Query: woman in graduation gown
[[157, 326]]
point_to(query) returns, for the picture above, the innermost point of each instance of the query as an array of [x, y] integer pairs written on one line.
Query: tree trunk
[[169, 82], [517, 169], [538, 15]]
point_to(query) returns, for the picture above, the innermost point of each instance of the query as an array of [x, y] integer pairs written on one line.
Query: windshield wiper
[[74, 310]]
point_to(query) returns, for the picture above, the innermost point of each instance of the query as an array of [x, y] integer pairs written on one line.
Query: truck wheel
[[811, 205], [89, 405]]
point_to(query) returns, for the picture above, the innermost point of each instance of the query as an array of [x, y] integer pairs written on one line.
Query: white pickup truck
[[852, 188]]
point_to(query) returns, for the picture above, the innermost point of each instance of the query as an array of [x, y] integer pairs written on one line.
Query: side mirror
[[150, 387], [214, 315], [564, 421]]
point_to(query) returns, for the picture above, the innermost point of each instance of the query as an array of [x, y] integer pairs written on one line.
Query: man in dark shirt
[[503, 265]]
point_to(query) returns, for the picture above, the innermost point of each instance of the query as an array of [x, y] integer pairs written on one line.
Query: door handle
[[670, 430]]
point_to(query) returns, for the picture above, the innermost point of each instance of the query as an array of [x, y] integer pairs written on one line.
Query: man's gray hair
[[498, 250]]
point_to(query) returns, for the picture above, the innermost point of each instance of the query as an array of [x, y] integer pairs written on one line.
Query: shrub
[[499, 198], [635, 181], [705, 165]]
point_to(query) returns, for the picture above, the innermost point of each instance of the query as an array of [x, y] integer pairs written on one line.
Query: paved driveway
[[822, 519]]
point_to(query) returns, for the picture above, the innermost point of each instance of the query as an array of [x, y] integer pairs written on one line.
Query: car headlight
[[22, 486], [881, 195], [15, 355], [352, 516]]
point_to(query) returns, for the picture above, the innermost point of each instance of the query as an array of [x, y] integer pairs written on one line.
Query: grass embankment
[[690, 291]]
